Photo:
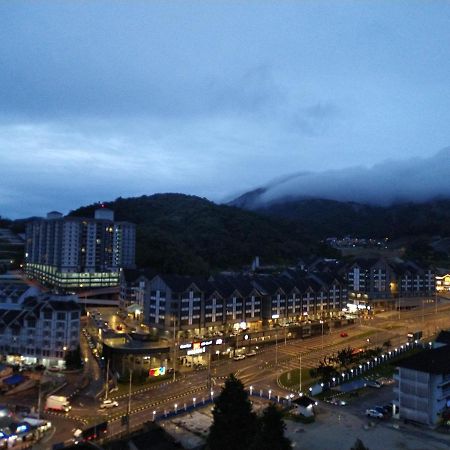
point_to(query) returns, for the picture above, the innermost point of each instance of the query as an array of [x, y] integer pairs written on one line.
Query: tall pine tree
[[234, 423], [271, 429]]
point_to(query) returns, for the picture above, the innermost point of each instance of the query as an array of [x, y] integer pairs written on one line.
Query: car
[[344, 334], [383, 410], [374, 413], [119, 327], [251, 353], [239, 357], [338, 402], [373, 384], [106, 404]]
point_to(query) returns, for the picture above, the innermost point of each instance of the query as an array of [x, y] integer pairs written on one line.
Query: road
[[260, 371]]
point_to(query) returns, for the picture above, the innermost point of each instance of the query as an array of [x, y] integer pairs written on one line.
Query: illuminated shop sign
[[219, 341], [157, 372], [206, 343], [196, 351], [184, 346]]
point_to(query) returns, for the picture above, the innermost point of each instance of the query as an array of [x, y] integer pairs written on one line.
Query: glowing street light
[[270, 393], [194, 400], [154, 414], [251, 390]]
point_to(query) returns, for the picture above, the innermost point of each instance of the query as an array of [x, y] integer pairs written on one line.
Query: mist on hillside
[[413, 180]]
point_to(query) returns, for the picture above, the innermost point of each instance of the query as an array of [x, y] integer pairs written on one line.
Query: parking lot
[[337, 427]]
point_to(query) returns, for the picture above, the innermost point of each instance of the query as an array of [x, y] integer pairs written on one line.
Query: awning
[[14, 379]]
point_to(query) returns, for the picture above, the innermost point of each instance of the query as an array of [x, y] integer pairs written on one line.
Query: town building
[[200, 305], [73, 253], [34, 327], [423, 386]]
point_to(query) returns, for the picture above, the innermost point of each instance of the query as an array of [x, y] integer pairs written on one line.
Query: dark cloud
[[417, 179]]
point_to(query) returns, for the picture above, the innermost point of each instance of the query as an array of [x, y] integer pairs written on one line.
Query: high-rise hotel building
[[71, 253]]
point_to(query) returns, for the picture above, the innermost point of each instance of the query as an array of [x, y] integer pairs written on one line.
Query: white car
[[239, 357], [251, 353], [374, 413], [106, 404]]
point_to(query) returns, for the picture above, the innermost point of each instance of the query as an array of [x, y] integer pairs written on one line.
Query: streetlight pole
[[174, 349], [276, 349], [321, 322], [300, 375], [129, 403]]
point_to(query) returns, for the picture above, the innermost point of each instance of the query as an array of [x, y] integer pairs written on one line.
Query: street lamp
[[154, 414], [193, 401], [321, 322], [270, 393], [251, 390], [176, 408]]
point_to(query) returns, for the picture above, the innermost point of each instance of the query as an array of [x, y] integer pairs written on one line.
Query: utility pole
[[129, 403], [208, 381], [276, 349], [174, 349], [300, 375], [107, 380], [39, 401], [321, 322]]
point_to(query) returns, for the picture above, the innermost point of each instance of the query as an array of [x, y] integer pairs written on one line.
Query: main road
[[260, 371]]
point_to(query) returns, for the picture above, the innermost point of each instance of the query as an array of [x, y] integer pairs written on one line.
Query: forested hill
[[191, 235], [324, 218]]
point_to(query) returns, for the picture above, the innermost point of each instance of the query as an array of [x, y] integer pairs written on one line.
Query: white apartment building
[[75, 252], [423, 386]]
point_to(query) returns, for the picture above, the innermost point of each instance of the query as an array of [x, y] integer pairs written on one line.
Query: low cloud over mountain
[[416, 180]]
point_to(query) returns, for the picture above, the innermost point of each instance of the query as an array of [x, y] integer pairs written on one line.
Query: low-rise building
[[34, 327], [423, 386]]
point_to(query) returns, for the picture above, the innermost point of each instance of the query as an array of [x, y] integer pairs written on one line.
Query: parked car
[[239, 357], [251, 353], [106, 404], [344, 334], [374, 413], [373, 383], [338, 402], [383, 410]]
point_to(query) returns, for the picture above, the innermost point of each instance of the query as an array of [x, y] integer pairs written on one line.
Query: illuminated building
[[72, 253]]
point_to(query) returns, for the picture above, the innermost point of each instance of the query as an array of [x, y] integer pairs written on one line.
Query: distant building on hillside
[[72, 253]]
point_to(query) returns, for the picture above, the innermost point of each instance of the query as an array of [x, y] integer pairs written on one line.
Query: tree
[[358, 445], [270, 431], [73, 359], [234, 423]]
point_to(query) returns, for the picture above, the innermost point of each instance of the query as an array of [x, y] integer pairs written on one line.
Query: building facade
[[223, 303], [72, 253], [423, 386], [37, 328]]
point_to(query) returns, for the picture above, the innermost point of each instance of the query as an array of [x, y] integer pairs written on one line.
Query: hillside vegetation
[[191, 235]]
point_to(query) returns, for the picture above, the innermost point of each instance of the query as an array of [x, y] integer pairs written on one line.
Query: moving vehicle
[[89, 434], [239, 357], [57, 403], [373, 384], [414, 336], [106, 404], [374, 413], [251, 353]]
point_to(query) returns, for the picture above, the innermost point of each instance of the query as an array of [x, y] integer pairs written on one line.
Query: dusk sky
[[107, 99]]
